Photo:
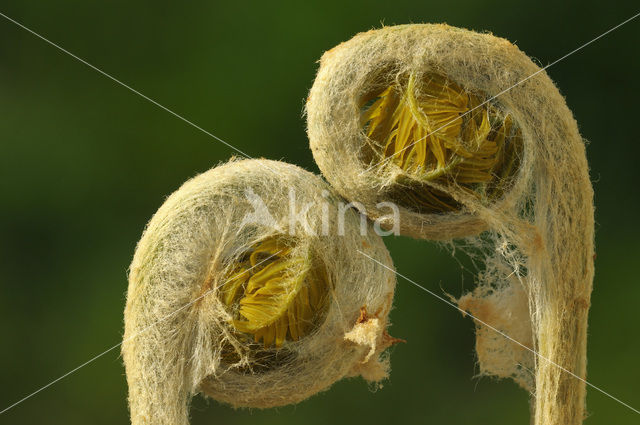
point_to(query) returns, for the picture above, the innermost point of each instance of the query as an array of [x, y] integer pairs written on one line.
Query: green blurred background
[[84, 163]]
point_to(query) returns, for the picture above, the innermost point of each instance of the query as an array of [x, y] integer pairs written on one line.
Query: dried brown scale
[[193, 325], [529, 219]]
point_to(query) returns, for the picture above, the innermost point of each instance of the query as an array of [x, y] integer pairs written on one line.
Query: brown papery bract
[[407, 114]]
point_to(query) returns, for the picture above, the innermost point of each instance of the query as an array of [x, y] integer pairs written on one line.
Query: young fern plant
[[477, 148], [250, 300]]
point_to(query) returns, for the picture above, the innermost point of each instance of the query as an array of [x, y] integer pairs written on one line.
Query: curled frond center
[[274, 295], [436, 131]]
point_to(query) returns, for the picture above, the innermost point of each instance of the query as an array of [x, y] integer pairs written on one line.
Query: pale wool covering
[[177, 334], [536, 241]]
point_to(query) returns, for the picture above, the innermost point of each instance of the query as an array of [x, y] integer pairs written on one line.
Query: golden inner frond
[[438, 132], [274, 296]]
